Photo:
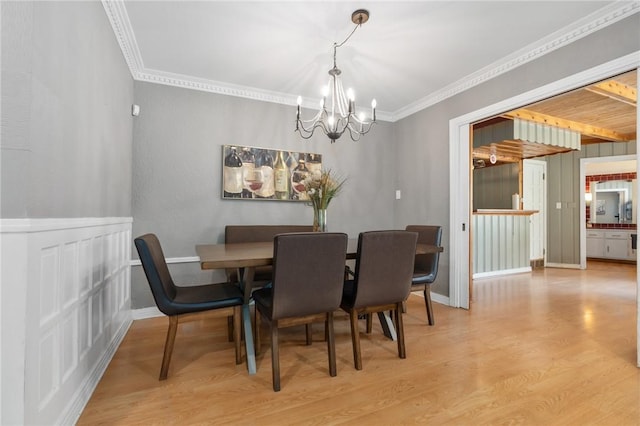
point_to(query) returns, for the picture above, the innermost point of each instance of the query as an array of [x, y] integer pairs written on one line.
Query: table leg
[[248, 339], [387, 325], [247, 283]]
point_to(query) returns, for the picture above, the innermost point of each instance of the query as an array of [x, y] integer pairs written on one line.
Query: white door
[[534, 196]]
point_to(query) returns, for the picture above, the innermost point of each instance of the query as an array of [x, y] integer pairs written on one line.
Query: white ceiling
[[408, 56]]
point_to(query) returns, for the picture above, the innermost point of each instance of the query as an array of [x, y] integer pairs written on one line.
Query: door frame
[[583, 204], [460, 165]]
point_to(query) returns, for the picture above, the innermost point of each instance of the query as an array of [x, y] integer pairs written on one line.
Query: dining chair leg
[[428, 305], [355, 339], [275, 356], [369, 323], [400, 331], [309, 331], [331, 344], [168, 346], [230, 331], [404, 307], [237, 332]]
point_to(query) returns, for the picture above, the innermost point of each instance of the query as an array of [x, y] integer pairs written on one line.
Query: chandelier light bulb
[[325, 91], [299, 100], [350, 94], [374, 104]]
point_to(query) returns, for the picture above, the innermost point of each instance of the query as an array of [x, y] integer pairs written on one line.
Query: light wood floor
[[557, 347]]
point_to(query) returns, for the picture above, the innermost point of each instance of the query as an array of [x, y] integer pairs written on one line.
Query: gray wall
[[422, 139], [66, 122], [563, 186], [177, 173], [493, 186]]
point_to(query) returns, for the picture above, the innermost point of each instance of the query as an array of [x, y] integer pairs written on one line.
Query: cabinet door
[[617, 248], [595, 247]]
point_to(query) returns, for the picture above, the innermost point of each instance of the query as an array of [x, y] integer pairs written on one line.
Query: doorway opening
[[460, 161]]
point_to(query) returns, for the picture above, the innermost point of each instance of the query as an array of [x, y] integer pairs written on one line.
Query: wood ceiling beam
[[501, 158], [584, 129], [617, 91]]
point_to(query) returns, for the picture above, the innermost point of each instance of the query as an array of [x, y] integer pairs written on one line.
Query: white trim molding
[[562, 265], [117, 14], [144, 313], [65, 308], [169, 260], [502, 272]]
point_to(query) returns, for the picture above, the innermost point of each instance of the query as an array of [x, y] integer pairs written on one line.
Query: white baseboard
[[562, 265], [73, 411], [435, 297], [144, 313], [502, 272]]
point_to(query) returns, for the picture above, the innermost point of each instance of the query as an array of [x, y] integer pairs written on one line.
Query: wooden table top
[[242, 255]]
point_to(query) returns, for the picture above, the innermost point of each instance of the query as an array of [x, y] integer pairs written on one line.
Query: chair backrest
[[308, 273], [384, 267], [155, 268], [427, 234], [259, 233]]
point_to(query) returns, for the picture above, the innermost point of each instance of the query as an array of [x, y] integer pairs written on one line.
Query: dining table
[[247, 256]]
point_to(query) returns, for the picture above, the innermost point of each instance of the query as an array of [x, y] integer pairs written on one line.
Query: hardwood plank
[[554, 347]]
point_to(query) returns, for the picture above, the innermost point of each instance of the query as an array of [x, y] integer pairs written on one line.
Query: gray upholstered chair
[[426, 265], [262, 274], [308, 275], [179, 303], [382, 281]]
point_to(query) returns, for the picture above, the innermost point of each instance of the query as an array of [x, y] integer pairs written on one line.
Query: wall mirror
[[612, 201]]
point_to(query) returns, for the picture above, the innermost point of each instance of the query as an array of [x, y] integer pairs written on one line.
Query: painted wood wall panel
[[500, 244], [493, 186], [563, 225]]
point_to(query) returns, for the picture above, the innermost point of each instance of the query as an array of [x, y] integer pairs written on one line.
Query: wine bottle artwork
[[251, 173], [281, 177], [264, 164], [232, 174], [300, 173]]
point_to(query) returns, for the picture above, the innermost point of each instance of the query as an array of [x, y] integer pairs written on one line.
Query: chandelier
[[339, 114]]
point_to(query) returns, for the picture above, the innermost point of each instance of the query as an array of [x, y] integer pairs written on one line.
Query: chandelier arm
[[314, 119], [357, 137]]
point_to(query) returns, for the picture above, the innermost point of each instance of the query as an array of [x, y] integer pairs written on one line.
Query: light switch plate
[[558, 205], [398, 194]]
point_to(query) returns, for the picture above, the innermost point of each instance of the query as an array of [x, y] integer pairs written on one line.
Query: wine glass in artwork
[[298, 176]]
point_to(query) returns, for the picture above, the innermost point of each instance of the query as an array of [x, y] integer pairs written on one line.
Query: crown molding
[[121, 25], [581, 28], [119, 19]]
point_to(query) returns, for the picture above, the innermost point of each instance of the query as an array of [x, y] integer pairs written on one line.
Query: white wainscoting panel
[[66, 283]]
